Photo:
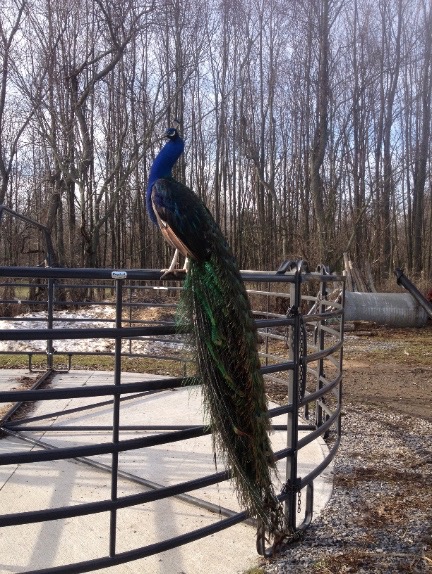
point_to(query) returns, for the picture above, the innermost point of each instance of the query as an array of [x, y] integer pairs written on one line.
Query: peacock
[[215, 304]]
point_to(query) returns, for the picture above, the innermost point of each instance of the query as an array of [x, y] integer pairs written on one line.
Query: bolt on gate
[[126, 320]]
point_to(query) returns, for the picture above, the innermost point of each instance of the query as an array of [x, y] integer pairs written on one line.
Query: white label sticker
[[118, 274]]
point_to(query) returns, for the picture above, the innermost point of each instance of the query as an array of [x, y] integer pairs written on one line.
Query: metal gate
[[299, 315]]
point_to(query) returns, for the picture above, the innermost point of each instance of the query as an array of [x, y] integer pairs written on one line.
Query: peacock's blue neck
[[162, 167]]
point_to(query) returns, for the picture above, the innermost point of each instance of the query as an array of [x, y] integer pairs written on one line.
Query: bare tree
[[307, 125], [422, 142], [13, 118]]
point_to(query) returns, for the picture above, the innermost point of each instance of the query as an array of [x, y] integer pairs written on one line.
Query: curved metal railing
[[299, 316]]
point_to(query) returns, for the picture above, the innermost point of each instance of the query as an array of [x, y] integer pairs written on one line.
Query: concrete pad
[[63, 483]]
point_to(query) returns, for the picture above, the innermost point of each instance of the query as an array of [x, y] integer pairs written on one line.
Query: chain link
[[302, 350]]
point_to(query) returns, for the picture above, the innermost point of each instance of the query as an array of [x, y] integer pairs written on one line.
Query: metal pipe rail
[[402, 279], [309, 366]]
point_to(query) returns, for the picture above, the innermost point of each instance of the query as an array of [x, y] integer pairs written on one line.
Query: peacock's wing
[[182, 218]]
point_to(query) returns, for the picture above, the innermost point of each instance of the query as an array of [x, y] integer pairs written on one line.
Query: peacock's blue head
[[171, 133]]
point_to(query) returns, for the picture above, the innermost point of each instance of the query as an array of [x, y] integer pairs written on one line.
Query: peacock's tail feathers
[[215, 302]]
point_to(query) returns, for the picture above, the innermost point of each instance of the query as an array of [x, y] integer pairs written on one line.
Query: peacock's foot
[[178, 273]]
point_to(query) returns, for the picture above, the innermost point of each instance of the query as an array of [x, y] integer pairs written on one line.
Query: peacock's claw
[[180, 272], [173, 269]]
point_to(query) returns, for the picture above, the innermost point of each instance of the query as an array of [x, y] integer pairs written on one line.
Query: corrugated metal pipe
[[391, 309]]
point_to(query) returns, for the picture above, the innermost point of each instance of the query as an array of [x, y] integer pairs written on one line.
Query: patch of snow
[[87, 319]]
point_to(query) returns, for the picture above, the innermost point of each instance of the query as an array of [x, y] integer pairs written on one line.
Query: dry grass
[[352, 562]]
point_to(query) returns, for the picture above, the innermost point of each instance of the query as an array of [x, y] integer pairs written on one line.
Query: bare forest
[[307, 126]]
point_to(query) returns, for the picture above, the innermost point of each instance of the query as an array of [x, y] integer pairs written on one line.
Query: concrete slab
[[63, 483]]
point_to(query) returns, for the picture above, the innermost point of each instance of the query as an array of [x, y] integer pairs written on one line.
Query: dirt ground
[[389, 368]]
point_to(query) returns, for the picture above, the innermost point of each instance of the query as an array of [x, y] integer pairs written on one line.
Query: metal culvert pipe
[[391, 309]]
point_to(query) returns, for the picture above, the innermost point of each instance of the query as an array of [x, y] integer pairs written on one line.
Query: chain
[[302, 349], [302, 364], [290, 488]]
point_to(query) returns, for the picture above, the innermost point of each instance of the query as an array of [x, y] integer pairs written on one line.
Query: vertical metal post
[[341, 338], [118, 276], [50, 323], [292, 417], [267, 329], [130, 317], [320, 342]]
